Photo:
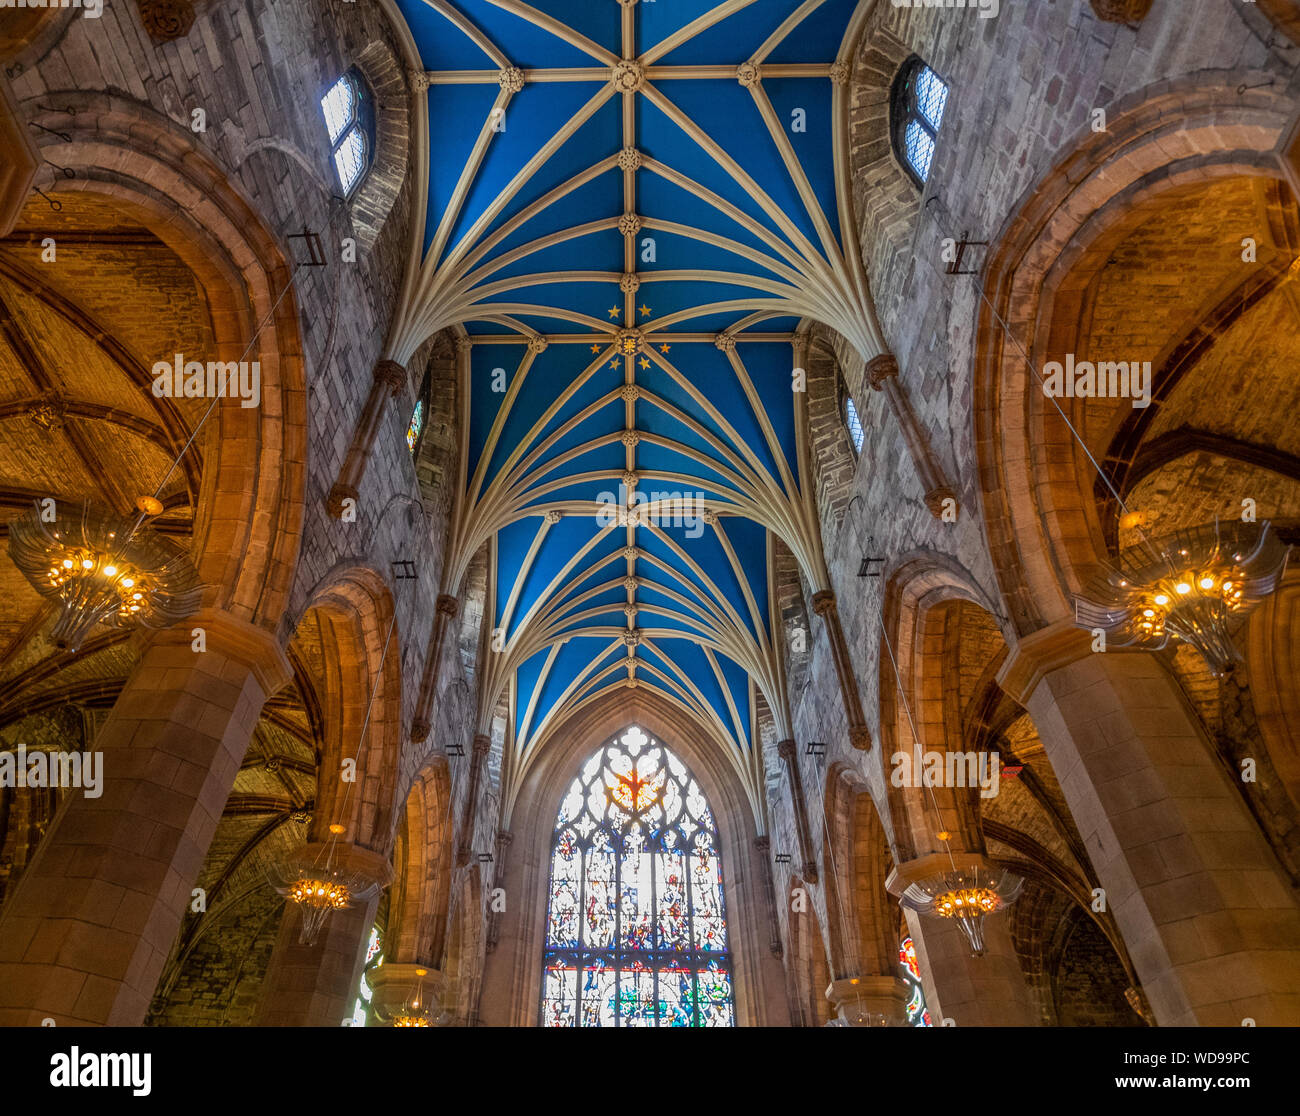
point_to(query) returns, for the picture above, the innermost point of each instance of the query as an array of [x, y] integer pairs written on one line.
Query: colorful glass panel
[[417, 424], [636, 921], [917, 1013]]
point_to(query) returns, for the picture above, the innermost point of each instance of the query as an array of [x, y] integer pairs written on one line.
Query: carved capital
[[418, 80], [482, 745], [420, 729], [840, 72], [166, 20], [448, 605], [338, 494], [786, 749], [1121, 11], [823, 602], [860, 737], [881, 368], [392, 375], [937, 498]]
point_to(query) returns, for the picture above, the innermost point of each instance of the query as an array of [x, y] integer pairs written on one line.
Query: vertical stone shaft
[[389, 381], [788, 752], [824, 605], [446, 610], [482, 745], [882, 375]]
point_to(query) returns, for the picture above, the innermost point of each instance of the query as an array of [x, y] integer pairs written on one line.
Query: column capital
[[881, 368], [338, 493], [860, 737], [763, 844], [482, 745], [504, 838], [934, 864], [937, 497], [448, 605], [1039, 654], [786, 749], [391, 375], [374, 866], [823, 601], [246, 643], [865, 1001]]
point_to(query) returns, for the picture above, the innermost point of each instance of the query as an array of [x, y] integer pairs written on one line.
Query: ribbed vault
[[630, 209]]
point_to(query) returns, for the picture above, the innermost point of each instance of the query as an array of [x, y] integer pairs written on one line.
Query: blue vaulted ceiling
[[630, 210]]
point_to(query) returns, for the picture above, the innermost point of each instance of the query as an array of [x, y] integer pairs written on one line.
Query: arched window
[[636, 931], [918, 1014], [374, 958], [416, 428], [853, 423], [916, 105], [348, 108]]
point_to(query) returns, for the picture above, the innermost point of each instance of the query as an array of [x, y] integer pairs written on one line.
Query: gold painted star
[[644, 363], [595, 348], [664, 347], [614, 363], [614, 312], [645, 310]]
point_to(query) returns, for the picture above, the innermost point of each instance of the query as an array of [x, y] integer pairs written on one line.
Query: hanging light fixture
[[968, 895], [103, 568], [318, 885], [414, 1011], [1194, 586]]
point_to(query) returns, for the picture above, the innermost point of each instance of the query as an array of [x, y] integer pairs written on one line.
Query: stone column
[[1212, 928], [788, 751], [882, 375], [464, 845], [869, 1001], [825, 606], [498, 873], [85, 935], [389, 383], [985, 991], [316, 985], [446, 610], [763, 845]]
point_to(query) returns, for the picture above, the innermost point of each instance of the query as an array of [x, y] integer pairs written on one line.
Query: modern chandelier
[[313, 880], [968, 895], [101, 567], [1194, 586]]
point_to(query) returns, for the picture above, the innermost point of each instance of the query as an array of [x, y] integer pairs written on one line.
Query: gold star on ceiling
[[645, 310], [644, 363], [614, 363], [664, 347], [614, 312]]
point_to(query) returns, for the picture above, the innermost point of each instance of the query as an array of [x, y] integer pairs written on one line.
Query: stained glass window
[[852, 421], [917, 102], [374, 958], [348, 119], [918, 1015], [636, 923], [417, 424]]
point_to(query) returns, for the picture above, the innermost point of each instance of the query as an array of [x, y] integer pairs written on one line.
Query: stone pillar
[[788, 751], [316, 985], [464, 846], [389, 382], [85, 935], [986, 991], [498, 873], [763, 845], [882, 375], [824, 605], [869, 1001], [1212, 928], [446, 610]]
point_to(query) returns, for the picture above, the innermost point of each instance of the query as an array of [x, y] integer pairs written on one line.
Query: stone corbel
[[166, 20], [869, 1001], [389, 382], [882, 375], [1121, 11]]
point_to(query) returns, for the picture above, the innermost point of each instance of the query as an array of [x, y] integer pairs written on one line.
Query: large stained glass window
[[918, 1014], [374, 958], [636, 930]]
